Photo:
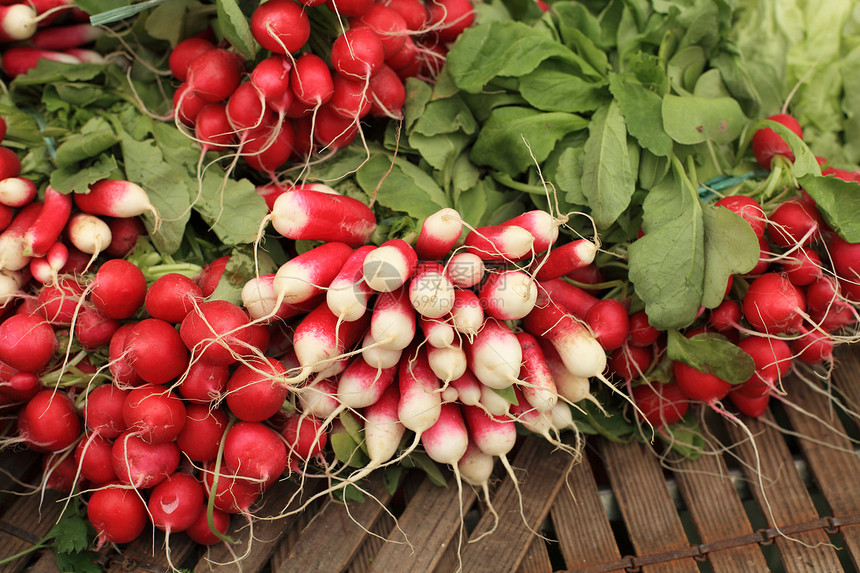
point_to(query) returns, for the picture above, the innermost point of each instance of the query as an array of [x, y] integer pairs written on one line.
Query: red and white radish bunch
[[293, 102]]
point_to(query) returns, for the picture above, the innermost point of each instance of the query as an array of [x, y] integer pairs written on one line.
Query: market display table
[[791, 503]]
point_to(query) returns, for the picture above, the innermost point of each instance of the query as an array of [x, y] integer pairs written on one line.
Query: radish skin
[[377, 356], [538, 385], [393, 322], [438, 333], [307, 214], [465, 269], [564, 259], [439, 233], [88, 233], [495, 356], [347, 295], [306, 275], [579, 350], [430, 291], [467, 315], [390, 265], [361, 385], [508, 295], [500, 243]]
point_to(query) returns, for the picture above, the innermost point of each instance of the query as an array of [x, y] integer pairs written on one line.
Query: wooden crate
[[791, 503]]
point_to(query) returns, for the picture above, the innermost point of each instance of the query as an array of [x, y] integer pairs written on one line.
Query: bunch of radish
[[788, 312], [293, 102], [54, 30]]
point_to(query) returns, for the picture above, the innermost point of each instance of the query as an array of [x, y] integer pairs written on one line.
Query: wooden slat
[[717, 512], [584, 534], [542, 477], [784, 500], [28, 519], [430, 523], [537, 559], [335, 521], [646, 505], [830, 456]]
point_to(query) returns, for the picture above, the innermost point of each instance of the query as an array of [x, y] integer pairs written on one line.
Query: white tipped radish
[[493, 402], [361, 385], [66, 37], [540, 423], [438, 333], [438, 235], [465, 269], [115, 198], [47, 268], [572, 388], [17, 191], [17, 22], [306, 275], [392, 322], [377, 356], [348, 294], [495, 356], [48, 226], [10, 286], [476, 467], [448, 363], [467, 315], [500, 243], [538, 386], [260, 299], [88, 233], [420, 397], [561, 416], [495, 436], [579, 350], [542, 226], [12, 257], [564, 259], [382, 427], [319, 341], [508, 295], [431, 292], [446, 440], [468, 389], [308, 214], [319, 398], [389, 266]]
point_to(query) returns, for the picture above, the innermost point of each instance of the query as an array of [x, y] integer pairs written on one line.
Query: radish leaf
[[731, 247], [839, 203], [691, 120], [711, 353]]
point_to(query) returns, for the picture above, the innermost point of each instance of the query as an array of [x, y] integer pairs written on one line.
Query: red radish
[[272, 78], [171, 297], [383, 429], [88, 233], [203, 382], [46, 228], [153, 413], [280, 26], [579, 350], [115, 198], [154, 350], [772, 305], [10, 164], [307, 275], [802, 267], [184, 52], [753, 406], [12, 257], [495, 355], [211, 274], [747, 208], [60, 473], [119, 289], [187, 105], [564, 259], [121, 371], [200, 532], [431, 292], [94, 330], [49, 422], [27, 342], [175, 503], [726, 316], [320, 343], [494, 436], [214, 74], [406, 58], [389, 26], [448, 363], [347, 295], [467, 315], [350, 98], [641, 331], [393, 321], [217, 332], [17, 22], [306, 214], [311, 80], [318, 398], [814, 347], [267, 147], [766, 143], [793, 223], [500, 242], [465, 269], [845, 257], [357, 52], [566, 296], [446, 440], [246, 108], [361, 384], [305, 437], [255, 391], [202, 432], [103, 411], [332, 131], [439, 233], [765, 258], [212, 127], [468, 389], [439, 333], [413, 12], [86, 56], [698, 385], [66, 37], [260, 299], [20, 386], [660, 404], [389, 266], [508, 295], [232, 494], [537, 384], [420, 398], [609, 322], [540, 224], [255, 451], [125, 231], [449, 18], [349, 8], [16, 191], [117, 514], [143, 465], [93, 457]]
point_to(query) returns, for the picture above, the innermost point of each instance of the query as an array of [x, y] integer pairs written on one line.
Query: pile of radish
[[292, 102]]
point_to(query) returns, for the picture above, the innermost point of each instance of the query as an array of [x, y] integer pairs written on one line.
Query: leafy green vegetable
[[711, 353]]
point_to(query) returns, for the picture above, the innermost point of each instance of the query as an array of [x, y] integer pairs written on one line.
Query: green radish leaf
[[71, 534], [232, 208], [75, 178], [449, 115], [441, 150], [838, 201], [391, 477], [500, 142], [94, 137], [685, 437], [354, 428], [606, 422], [406, 188], [711, 353], [167, 21], [805, 162], [83, 562], [691, 120], [554, 86], [608, 170], [731, 247], [236, 28], [346, 450], [509, 394], [423, 462], [641, 108]]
